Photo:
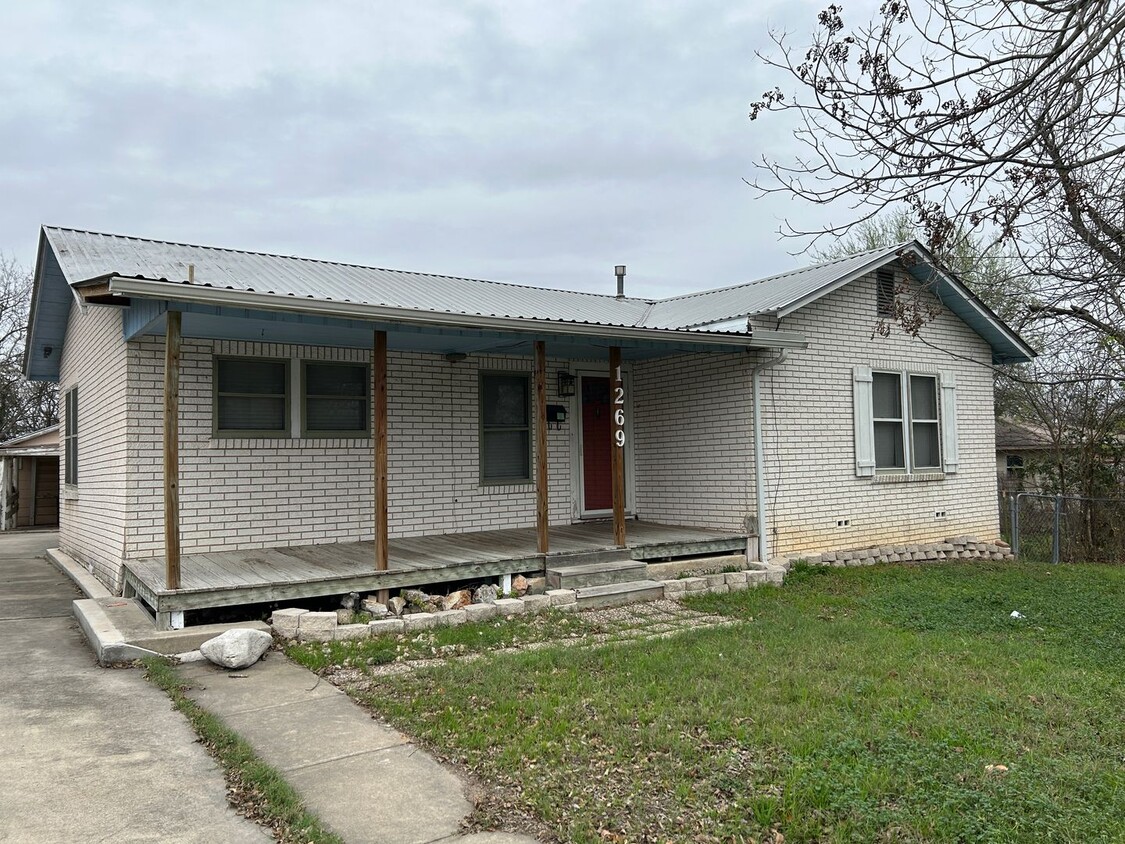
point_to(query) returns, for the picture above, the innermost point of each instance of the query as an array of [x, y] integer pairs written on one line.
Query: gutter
[[145, 288], [759, 458]]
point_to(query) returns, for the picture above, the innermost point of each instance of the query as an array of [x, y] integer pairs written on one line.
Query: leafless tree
[[1002, 118], [24, 406]]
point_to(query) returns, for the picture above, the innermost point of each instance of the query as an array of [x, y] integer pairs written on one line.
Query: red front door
[[597, 479]]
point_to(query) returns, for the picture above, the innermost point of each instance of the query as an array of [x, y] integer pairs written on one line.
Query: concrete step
[[595, 573], [618, 594]]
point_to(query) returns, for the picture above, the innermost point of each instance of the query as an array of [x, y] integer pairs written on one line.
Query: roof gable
[[786, 293]]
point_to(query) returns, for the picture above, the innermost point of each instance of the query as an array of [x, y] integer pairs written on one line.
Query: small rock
[[415, 598], [344, 616], [239, 648], [1017, 614], [373, 608], [352, 601], [457, 600], [486, 594], [396, 605], [520, 585]]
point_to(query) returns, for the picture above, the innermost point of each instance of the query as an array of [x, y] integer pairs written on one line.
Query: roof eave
[[164, 290]]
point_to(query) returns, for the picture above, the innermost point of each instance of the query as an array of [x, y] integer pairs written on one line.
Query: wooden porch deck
[[304, 571]]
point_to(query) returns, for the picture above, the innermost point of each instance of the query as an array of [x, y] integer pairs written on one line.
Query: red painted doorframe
[[597, 479]]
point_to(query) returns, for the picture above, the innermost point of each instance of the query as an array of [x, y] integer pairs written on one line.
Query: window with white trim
[[70, 444], [505, 429], [905, 422]]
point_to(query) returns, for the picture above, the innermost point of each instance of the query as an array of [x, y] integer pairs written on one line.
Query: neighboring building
[[863, 439], [29, 480], [1020, 448]]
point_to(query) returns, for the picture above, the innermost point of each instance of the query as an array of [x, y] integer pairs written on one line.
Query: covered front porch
[[234, 578]]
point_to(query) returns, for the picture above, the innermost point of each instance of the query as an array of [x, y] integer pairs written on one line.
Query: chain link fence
[[1063, 528]]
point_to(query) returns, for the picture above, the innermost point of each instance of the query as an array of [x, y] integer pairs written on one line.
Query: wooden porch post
[[541, 445], [172, 337], [617, 446], [379, 434]]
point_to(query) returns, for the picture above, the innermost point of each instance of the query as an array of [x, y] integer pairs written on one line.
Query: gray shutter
[[864, 429], [948, 385]]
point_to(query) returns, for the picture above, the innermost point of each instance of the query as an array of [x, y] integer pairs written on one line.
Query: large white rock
[[237, 648]]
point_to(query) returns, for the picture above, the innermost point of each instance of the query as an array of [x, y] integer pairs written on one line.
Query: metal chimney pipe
[[620, 270]]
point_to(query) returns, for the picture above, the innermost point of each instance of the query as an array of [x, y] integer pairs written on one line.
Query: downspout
[[759, 458]]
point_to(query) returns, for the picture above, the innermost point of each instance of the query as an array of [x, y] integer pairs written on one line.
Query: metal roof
[[765, 295], [84, 256], [76, 257]]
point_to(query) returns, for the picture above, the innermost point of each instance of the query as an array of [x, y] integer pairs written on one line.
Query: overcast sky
[[532, 142]]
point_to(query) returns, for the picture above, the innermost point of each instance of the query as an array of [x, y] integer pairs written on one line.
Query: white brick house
[[865, 439]]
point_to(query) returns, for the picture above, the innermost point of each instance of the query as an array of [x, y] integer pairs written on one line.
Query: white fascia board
[[146, 288]]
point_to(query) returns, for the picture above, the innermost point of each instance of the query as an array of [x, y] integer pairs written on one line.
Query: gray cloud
[[498, 139]]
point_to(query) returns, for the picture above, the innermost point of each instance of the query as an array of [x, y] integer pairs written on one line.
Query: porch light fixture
[[565, 387], [455, 357]]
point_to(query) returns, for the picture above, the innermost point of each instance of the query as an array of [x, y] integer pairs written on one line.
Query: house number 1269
[[619, 413]]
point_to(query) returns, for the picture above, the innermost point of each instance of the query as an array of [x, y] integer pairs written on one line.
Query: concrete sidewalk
[[90, 754], [366, 781]]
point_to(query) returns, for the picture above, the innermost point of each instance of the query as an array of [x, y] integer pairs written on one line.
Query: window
[[251, 397], [886, 392], [70, 446], [885, 293], [505, 431], [905, 423], [1014, 464], [925, 445], [335, 399], [918, 426]]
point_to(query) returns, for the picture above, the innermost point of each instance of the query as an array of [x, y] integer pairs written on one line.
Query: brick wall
[[253, 493], [693, 418], [809, 450], [694, 446], [92, 516]]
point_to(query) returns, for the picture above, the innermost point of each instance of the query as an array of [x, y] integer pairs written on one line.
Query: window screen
[[505, 443], [336, 398], [70, 447], [886, 400], [251, 396], [924, 422]]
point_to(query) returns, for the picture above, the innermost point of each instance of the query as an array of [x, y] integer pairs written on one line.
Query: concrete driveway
[[89, 754]]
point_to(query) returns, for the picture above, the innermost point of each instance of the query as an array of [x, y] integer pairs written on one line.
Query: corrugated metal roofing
[[84, 255], [766, 295], [87, 255]]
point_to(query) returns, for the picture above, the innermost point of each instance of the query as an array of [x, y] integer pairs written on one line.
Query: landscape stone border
[[956, 548], [307, 626]]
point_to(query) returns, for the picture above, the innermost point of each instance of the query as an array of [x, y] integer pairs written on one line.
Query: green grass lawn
[[850, 705]]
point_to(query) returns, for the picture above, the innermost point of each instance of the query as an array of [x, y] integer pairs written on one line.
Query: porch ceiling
[[147, 318]]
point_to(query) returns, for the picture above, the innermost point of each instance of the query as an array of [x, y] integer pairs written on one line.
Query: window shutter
[[864, 429], [948, 383]]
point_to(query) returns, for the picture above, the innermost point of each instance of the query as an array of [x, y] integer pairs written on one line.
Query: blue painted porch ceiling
[[146, 318]]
